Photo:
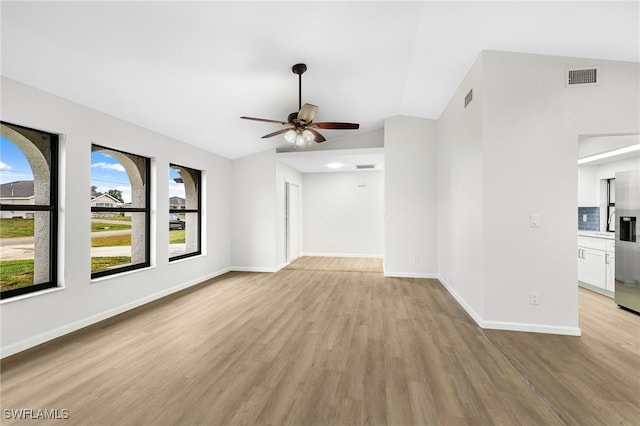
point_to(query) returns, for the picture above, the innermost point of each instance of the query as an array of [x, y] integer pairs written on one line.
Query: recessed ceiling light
[[624, 150], [335, 165]]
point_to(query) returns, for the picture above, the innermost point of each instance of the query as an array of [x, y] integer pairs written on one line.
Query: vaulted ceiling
[[189, 70]]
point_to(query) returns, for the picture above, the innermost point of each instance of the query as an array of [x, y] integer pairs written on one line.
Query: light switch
[[534, 220]]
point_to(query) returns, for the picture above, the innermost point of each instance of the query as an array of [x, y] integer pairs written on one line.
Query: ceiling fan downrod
[[299, 69]]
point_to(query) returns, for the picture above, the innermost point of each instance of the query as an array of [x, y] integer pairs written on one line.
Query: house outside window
[[28, 210], [120, 211]]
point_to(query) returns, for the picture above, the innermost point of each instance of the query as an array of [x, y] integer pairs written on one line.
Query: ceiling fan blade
[[265, 120], [307, 113], [335, 125], [278, 132], [317, 136]]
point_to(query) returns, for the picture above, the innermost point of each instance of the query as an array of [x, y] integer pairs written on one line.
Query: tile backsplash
[[593, 218]]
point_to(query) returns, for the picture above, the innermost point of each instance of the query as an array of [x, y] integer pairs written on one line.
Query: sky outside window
[[13, 164]]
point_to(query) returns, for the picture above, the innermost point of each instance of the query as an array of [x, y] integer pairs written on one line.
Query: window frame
[[52, 207], [123, 209], [610, 204], [184, 210]]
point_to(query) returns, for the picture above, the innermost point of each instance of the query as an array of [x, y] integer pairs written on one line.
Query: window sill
[[30, 295], [120, 274]]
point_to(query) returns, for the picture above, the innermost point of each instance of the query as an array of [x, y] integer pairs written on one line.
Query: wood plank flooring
[[328, 342]]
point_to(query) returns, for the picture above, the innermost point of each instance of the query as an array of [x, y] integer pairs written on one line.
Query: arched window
[[28, 210], [184, 212], [120, 210]]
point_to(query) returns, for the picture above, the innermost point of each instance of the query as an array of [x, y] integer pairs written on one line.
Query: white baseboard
[[255, 268], [410, 274], [375, 256], [531, 328], [508, 326], [472, 313], [77, 325]]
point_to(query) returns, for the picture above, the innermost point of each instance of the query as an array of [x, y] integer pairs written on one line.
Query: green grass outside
[[16, 274], [116, 240], [176, 236], [99, 264], [19, 273], [12, 228], [99, 226], [122, 218]]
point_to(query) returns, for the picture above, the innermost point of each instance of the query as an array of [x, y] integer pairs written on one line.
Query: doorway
[[292, 218]]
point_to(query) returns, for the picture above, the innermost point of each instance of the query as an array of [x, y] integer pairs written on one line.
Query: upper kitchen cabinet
[[599, 159]]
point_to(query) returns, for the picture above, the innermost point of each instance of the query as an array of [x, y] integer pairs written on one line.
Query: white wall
[[531, 126], [410, 197], [460, 194], [253, 206], [343, 213], [35, 318], [284, 174]]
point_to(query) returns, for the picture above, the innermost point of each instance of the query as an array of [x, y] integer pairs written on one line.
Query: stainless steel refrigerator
[[627, 260]]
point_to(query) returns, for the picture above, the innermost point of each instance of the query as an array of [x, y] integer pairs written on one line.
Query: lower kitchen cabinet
[[591, 267], [610, 261], [596, 264]]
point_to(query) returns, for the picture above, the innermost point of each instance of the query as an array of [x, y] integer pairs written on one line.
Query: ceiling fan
[[300, 128]]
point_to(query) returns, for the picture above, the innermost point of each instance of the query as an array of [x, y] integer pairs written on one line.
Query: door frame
[[289, 257]]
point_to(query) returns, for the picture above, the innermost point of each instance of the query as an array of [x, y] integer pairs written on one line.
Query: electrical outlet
[[415, 259], [534, 298]]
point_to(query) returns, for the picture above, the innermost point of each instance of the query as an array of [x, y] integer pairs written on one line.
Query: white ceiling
[[189, 70]]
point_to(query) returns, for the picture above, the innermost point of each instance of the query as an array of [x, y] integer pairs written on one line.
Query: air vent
[[365, 166], [588, 77], [468, 98]]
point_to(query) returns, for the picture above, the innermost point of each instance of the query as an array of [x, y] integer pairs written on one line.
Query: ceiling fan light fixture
[[290, 136], [301, 140], [308, 136]]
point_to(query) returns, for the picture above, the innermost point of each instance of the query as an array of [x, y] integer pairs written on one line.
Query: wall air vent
[[468, 98], [582, 77], [365, 166]]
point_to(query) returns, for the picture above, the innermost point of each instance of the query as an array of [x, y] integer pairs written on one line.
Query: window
[[120, 211], [28, 210], [184, 212], [611, 205]]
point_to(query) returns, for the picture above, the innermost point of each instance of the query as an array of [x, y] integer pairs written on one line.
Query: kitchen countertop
[[597, 234]]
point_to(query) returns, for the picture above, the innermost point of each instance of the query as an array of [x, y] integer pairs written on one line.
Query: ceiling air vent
[[468, 98], [365, 166], [583, 77]]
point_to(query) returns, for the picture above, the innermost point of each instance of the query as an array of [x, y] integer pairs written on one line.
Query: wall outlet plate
[[534, 298]]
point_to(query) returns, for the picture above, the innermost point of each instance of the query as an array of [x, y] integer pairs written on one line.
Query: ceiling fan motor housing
[[299, 68]]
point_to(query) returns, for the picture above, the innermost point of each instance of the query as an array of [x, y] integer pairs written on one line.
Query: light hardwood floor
[[329, 341]]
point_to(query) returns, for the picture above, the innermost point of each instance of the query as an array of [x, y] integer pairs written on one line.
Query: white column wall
[[460, 195], [253, 205], [410, 197]]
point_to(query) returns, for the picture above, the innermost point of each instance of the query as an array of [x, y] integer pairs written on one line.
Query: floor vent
[[582, 77], [365, 166], [468, 98]]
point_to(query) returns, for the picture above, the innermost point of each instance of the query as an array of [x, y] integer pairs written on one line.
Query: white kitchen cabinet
[[596, 264], [591, 267], [610, 261]]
